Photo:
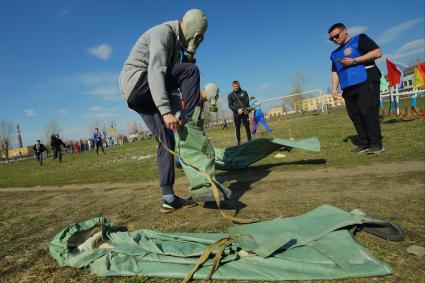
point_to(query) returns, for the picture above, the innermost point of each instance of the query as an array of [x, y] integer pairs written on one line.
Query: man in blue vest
[[354, 69]]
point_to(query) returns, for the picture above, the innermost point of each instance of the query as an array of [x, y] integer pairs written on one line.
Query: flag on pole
[[395, 74], [419, 76]]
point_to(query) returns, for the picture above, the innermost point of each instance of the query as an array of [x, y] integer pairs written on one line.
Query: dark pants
[[99, 144], [244, 119], [39, 157], [57, 153], [362, 105], [183, 76]]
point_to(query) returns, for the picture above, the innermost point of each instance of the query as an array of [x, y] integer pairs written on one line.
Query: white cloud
[[63, 111], [102, 112], [108, 93], [411, 48], [102, 51], [356, 30], [266, 86], [30, 112], [394, 32]]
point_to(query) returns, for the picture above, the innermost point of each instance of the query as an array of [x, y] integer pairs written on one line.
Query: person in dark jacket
[[238, 102], [39, 150], [56, 144], [97, 137]]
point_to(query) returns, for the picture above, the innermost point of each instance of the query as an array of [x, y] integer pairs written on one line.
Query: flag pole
[[392, 102], [397, 100]]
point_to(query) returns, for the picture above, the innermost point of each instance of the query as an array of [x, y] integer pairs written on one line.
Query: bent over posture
[[162, 61]]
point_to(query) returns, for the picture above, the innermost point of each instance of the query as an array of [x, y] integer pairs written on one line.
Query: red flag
[[421, 68], [394, 73]]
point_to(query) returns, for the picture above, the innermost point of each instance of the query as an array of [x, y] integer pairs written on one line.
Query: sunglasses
[[336, 36]]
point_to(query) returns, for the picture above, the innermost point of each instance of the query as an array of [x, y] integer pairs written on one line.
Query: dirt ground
[[31, 217]]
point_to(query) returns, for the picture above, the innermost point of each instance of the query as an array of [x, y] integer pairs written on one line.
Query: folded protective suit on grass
[[317, 245]]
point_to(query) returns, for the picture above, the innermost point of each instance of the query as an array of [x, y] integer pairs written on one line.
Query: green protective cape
[[198, 155], [316, 245], [196, 152], [243, 155]]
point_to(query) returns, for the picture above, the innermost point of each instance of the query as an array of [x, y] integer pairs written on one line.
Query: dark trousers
[[183, 76], [362, 105], [244, 119], [99, 144], [57, 154], [39, 157]]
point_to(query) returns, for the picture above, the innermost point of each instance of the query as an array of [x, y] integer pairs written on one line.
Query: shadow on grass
[[394, 121], [242, 179], [353, 138]]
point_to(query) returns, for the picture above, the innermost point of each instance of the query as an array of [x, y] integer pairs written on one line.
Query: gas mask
[[194, 25], [210, 94]]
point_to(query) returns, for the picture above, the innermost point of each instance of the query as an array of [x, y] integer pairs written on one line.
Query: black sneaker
[[360, 149], [167, 207], [375, 150]]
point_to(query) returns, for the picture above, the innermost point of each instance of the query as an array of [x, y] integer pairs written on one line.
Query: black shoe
[[177, 203], [375, 150], [360, 149]]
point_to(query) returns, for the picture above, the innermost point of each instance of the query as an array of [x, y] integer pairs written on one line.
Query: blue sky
[[60, 60]]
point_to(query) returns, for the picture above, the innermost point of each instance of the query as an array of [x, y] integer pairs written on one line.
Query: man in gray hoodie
[[162, 61]]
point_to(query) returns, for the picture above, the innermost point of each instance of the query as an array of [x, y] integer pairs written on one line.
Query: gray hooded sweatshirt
[[152, 53]]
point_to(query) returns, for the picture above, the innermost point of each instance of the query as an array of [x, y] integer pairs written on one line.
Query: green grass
[[402, 141], [31, 217]]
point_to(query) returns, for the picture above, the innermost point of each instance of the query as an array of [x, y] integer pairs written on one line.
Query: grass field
[[402, 141], [36, 202]]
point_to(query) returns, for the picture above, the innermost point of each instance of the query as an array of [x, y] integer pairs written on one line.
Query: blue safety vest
[[349, 75]]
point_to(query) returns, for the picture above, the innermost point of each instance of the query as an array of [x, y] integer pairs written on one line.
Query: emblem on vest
[[347, 51]]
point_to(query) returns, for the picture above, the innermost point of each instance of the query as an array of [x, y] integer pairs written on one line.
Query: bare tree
[[133, 128], [298, 82], [6, 132], [92, 126], [52, 127]]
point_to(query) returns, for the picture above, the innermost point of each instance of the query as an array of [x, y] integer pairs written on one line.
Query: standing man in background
[[354, 69], [238, 102], [162, 61], [39, 150], [97, 137]]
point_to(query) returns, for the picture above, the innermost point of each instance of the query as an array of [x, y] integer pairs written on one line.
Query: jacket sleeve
[[231, 103], [246, 99], [160, 46]]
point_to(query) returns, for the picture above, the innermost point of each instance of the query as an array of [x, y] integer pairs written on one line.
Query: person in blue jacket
[[355, 71], [97, 137], [258, 116]]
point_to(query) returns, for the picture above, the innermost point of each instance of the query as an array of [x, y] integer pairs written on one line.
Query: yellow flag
[[418, 79]]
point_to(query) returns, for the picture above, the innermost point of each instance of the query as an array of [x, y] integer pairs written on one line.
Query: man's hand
[[335, 95], [347, 61], [171, 121], [240, 111]]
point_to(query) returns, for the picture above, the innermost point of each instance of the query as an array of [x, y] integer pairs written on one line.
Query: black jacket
[[56, 143], [41, 148], [234, 103]]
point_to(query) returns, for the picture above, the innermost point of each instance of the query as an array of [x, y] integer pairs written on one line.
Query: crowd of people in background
[[58, 146]]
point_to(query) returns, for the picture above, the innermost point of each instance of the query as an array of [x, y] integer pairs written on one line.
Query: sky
[[60, 60]]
